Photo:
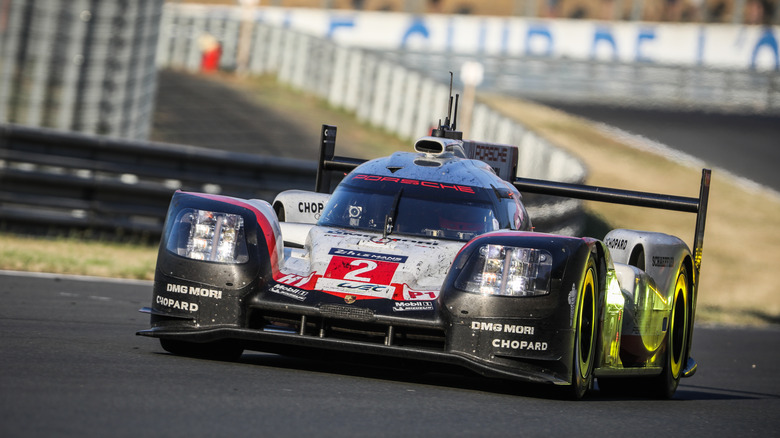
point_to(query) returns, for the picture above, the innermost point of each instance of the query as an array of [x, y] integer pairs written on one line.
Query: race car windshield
[[416, 208]]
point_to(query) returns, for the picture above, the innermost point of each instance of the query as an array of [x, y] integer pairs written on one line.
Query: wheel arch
[[603, 262], [687, 262], [594, 256], [279, 210], [637, 257]]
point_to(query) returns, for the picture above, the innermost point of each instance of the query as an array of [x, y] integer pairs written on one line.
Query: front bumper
[[528, 339], [276, 340]]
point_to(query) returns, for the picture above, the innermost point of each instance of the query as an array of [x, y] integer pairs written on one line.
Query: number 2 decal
[[355, 274], [361, 270]]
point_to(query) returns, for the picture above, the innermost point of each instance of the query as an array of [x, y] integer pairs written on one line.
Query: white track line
[[89, 278]]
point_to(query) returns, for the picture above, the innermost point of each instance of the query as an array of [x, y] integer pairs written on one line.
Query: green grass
[[71, 255]]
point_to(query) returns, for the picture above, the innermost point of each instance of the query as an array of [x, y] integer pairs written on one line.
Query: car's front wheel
[[585, 323]]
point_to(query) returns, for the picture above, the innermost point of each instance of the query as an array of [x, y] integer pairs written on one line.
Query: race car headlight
[[507, 271], [209, 236]]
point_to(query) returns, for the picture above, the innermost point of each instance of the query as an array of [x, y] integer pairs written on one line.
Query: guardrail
[[55, 179]]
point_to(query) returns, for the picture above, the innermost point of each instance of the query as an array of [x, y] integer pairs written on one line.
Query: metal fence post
[[354, 79], [409, 106], [9, 51], [337, 93], [366, 96], [425, 118], [381, 86], [39, 59]]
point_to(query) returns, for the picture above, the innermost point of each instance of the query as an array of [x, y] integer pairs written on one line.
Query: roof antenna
[[449, 106], [455, 115], [448, 130]]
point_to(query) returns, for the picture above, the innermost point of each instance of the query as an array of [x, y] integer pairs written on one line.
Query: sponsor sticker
[[368, 255], [420, 295], [519, 345], [290, 292], [616, 243], [515, 329], [663, 262], [415, 182], [311, 207], [502, 328], [176, 304], [406, 306], [194, 290], [295, 280], [355, 288]]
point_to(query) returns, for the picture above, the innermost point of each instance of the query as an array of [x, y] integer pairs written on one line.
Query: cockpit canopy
[[414, 207]]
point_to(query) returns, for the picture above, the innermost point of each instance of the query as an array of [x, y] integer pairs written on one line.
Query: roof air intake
[[429, 145]]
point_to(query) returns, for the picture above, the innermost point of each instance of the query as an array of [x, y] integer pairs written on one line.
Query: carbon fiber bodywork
[[621, 307], [509, 337]]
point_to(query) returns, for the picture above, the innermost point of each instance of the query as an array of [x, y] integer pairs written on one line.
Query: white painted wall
[[714, 45]]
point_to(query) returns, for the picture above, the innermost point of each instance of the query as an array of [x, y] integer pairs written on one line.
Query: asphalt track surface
[[73, 367]]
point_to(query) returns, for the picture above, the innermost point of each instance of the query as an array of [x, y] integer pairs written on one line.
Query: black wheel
[[665, 384], [219, 350], [585, 332]]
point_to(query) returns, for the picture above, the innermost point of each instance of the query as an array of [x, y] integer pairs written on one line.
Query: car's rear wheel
[[585, 323], [218, 350], [665, 384]]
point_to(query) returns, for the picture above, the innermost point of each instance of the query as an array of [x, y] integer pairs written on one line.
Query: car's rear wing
[[329, 162], [628, 197]]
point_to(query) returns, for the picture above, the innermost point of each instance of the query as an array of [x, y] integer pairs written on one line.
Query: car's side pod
[[650, 200], [659, 255]]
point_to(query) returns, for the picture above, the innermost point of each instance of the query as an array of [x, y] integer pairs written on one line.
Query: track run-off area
[[73, 367]]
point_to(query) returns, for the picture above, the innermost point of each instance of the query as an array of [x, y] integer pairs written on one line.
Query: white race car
[[430, 255]]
